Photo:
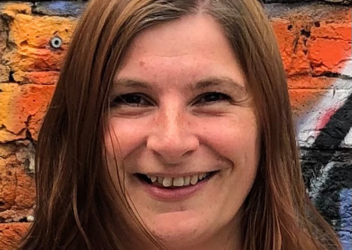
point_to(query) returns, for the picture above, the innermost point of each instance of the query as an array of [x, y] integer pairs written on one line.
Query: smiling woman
[[186, 134], [171, 128]]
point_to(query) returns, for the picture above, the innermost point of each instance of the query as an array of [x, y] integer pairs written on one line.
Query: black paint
[[337, 128]]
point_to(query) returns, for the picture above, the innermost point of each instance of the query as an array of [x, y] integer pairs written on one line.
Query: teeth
[[160, 180], [167, 182], [178, 181], [152, 178], [202, 176], [194, 179], [187, 181]]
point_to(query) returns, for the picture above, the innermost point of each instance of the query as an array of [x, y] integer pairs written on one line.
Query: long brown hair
[[76, 200]]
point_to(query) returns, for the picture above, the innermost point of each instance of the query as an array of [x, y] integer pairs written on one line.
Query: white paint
[[347, 142], [334, 98], [347, 71], [318, 182]]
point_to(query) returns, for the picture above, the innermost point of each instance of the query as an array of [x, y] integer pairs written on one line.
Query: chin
[[177, 226]]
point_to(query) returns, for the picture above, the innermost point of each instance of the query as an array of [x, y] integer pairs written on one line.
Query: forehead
[[184, 50]]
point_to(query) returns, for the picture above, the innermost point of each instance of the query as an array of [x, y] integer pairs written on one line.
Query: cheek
[[233, 137], [122, 137]]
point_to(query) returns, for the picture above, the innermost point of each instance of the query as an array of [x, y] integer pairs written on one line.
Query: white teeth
[[178, 182], [194, 179], [160, 180], [167, 182], [202, 176], [187, 181]]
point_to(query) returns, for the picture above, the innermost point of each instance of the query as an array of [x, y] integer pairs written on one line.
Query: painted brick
[[10, 233], [330, 46], [35, 77], [24, 107], [3, 36], [36, 31], [4, 73], [309, 12], [13, 8], [291, 46], [31, 36], [306, 93], [312, 40], [59, 8], [308, 82], [304, 100], [15, 159], [17, 190], [4, 70]]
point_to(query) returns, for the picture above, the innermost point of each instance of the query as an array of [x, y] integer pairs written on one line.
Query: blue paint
[[346, 220], [59, 6]]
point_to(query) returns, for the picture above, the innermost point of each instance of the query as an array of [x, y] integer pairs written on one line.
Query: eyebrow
[[219, 82], [131, 83], [199, 85]]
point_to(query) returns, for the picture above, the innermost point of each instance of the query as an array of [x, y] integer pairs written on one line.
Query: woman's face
[[184, 126]]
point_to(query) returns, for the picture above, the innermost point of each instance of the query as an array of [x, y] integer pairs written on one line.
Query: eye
[[212, 97], [133, 100]]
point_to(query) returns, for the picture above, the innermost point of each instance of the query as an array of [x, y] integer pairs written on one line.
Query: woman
[[171, 128]]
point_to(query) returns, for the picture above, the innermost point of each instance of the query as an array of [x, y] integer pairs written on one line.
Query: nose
[[172, 138]]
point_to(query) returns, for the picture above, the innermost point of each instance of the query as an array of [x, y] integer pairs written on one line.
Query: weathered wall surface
[[315, 42]]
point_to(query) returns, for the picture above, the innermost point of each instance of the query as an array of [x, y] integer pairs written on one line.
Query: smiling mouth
[[176, 182]]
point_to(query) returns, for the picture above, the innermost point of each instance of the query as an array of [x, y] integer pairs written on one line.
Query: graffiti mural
[[315, 43], [327, 157], [346, 222]]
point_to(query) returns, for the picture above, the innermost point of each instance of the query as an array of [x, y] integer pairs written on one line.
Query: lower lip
[[174, 194]]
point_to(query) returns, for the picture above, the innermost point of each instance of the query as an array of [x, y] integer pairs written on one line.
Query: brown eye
[[213, 97], [134, 100]]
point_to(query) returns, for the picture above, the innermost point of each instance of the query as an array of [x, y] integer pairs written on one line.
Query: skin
[[166, 123]]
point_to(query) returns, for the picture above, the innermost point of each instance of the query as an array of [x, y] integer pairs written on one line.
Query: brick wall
[[315, 41]]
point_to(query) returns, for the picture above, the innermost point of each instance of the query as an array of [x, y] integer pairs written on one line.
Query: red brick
[[308, 82], [3, 37], [17, 189], [330, 47], [303, 100], [11, 234], [339, 31], [43, 78], [32, 36], [313, 38], [24, 107], [12, 8], [4, 73], [292, 47]]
